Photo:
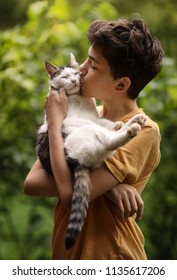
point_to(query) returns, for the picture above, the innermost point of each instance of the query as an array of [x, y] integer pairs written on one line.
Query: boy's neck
[[116, 111]]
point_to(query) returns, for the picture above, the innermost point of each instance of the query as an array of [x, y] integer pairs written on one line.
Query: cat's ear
[[51, 69], [73, 63]]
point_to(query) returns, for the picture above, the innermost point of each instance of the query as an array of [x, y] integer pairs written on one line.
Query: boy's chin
[[85, 93]]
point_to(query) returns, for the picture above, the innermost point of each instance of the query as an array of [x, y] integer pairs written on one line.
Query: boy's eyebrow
[[93, 58]]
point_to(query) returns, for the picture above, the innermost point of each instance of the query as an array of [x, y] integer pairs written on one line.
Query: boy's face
[[96, 78]]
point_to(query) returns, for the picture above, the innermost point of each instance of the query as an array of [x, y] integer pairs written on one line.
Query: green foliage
[[13, 12], [49, 34], [160, 101], [51, 31]]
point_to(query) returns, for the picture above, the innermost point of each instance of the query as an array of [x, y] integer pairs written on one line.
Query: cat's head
[[67, 77]]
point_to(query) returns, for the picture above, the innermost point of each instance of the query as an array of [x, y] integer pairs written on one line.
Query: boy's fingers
[[133, 205], [140, 204], [62, 94], [62, 90]]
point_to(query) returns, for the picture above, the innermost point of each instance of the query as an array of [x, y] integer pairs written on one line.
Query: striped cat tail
[[79, 205]]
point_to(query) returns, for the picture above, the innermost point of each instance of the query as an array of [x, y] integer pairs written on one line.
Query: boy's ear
[[123, 84]]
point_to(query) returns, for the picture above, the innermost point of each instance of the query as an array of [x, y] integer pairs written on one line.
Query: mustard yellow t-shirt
[[104, 236]]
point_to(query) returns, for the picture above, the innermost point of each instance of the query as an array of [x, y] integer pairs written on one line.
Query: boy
[[122, 59]]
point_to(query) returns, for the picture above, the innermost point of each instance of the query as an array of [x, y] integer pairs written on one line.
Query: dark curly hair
[[129, 49]]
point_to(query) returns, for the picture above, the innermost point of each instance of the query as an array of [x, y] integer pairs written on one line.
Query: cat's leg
[[139, 119], [110, 125], [121, 137], [91, 144]]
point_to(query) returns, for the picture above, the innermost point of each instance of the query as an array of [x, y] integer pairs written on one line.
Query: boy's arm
[[102, 179], [39, 183], [125, 197], [56, 110]]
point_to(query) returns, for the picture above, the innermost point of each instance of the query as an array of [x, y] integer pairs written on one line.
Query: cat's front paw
[[118, 125], [140, 119], [133, 130]]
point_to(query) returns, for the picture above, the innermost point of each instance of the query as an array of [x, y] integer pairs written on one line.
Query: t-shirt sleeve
[[138, 158]]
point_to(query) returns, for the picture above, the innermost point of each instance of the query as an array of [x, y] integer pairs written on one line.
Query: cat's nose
[[73, 81]]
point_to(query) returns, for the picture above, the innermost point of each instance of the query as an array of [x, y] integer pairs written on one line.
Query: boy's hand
[[56, 106], [127, 200]]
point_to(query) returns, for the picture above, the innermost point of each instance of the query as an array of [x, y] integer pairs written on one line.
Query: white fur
[[89, 139]]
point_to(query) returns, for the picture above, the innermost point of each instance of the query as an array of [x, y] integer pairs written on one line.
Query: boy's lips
[[81, 78]]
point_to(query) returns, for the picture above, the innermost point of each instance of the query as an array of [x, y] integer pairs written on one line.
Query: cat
[[88, 140]]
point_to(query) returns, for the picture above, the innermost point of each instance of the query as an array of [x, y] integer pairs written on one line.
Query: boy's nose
[[83, 73], [82, 69]]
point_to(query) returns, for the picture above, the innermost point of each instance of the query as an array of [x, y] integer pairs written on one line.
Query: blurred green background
[[34, 31]]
